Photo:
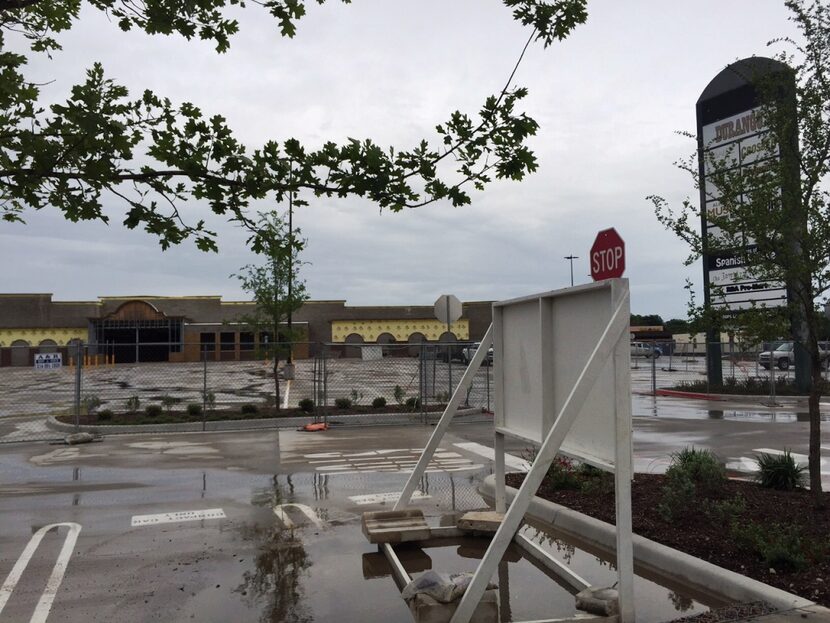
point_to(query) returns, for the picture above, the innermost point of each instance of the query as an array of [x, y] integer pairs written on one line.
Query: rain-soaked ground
[[268, 529]]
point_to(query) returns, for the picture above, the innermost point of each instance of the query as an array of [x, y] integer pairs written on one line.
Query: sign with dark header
[[731, 135]]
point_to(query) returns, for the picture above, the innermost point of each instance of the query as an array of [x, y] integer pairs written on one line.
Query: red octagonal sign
[[607, 255]]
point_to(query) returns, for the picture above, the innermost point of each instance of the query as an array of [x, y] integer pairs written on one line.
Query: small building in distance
[[130, 329]]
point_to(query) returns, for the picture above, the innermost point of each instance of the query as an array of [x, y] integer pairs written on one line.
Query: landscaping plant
[[343, 403], [152, 410], [379, 402], [779, 471], [133, 404], [307, 405]]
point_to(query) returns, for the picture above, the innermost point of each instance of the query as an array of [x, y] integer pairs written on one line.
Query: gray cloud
[[608, 99]]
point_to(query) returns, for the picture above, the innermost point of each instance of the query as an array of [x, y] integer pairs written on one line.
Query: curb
[[355, 419], [651, 558], [676, 393]]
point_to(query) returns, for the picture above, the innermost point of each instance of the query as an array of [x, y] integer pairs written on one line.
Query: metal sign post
[[448, 310], [605, 372]]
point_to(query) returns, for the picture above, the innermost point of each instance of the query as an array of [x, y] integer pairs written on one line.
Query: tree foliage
[[274, 286], [775, 212], [156, 155]]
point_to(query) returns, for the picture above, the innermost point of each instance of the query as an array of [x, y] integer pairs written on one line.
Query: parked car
[[469, 352], [644, 349], [783, 356]]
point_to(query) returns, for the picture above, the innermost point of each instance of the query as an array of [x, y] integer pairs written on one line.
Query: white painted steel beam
[[559, 569], [398, 572], [614, 330], [446, 418]]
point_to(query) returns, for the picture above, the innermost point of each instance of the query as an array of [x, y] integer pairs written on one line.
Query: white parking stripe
[[44, 605], [309, 512], [177, 517], [513, 462], [382, 498]]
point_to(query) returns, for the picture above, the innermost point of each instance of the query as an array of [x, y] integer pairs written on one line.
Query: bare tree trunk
[[814, 460], [816, 386], [276, 381]]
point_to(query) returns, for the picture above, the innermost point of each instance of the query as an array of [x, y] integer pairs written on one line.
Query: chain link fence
[[129, 385], [766, 369]]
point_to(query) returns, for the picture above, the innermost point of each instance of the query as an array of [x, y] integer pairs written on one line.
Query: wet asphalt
[[279, 538]]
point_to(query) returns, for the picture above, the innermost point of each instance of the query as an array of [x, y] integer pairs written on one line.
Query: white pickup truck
[[783, 356], [468, 352], [644, 349]]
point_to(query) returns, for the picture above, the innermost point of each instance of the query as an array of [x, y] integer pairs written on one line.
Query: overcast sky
[[609, 100]]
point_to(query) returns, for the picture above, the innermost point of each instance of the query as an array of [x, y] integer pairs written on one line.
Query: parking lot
[[265, 525]]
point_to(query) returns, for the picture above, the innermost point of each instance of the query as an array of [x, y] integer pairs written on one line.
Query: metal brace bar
[[564, 420], [446, 418], [543, 557]]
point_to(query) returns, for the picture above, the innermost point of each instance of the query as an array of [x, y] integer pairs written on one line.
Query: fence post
[[771, 379], [489, 367], [449, 364], [79, 359], [204, 388], [653, 373]]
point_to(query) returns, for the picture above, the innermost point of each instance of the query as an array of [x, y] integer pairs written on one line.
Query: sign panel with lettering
[[733, 137], [48, 361]]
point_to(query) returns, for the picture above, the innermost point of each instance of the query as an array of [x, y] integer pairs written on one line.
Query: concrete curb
[[356, 419], [676, 393], [651, 558]]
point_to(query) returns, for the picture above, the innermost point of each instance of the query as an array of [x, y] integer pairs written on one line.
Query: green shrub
[[356, 397], [779, 471], [307, 405], [105, 415], [90, 403], [413, 403], [399, 394], [343, 403], [781, 547], [678, 495], [152, 410], [209, 399], [595, 481], [133, 404], [249, 409], [169, 401], [379, 402], [703, 468], [562, 474], [691, 472], [724, 512], [194, 409]]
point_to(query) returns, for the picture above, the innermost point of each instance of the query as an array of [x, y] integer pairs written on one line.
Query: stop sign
[[607, 255]]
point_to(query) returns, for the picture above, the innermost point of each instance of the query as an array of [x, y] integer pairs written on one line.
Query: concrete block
[[395, 526], [425, 609], [599, 601], [480, 521]]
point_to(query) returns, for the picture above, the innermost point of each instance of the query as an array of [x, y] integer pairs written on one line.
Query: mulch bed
[[177, 416], [696, 534]]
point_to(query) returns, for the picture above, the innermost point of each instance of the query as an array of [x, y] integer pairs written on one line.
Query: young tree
[[776, 213], [275, 287], [155, 155]]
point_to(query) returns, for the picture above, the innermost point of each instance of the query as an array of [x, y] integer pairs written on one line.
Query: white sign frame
[[611, 347], [541, 343]]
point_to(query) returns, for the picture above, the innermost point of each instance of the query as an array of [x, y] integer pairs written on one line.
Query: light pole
[[571, 259]]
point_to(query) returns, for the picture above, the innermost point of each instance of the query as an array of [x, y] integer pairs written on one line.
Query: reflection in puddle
[[281, 563]]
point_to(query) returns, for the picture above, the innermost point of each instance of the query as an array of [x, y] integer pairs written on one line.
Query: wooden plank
[[395, 526]]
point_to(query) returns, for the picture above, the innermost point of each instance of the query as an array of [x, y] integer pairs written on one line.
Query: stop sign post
[[448, 309], [607, 255]]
